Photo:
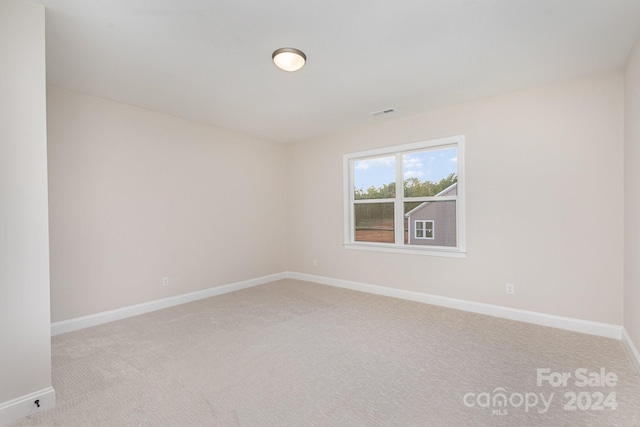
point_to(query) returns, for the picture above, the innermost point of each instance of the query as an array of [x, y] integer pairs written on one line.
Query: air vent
[[381, 112]]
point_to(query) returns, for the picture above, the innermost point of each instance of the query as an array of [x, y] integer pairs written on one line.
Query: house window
[[423, 229], [394, 197]]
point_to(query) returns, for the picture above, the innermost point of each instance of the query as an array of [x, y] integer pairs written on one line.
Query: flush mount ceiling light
[[289, 59]]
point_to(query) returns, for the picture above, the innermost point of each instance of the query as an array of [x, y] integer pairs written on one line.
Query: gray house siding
[[443, 215]]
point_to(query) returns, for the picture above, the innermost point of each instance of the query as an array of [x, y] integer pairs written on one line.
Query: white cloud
[[412, 162], [377, 162], [413, 166], [454, 159], [413, 174]]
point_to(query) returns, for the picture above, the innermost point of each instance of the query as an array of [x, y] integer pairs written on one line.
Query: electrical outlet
[[314, 263], [510, 288], [165, 281]]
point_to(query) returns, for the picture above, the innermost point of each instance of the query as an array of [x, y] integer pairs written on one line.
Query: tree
[[386, 191], [413, 187]]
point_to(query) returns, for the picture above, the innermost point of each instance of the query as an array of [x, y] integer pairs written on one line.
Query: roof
[[442, 193]]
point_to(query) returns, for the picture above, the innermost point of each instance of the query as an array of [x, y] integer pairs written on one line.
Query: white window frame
[[459, 251], [424, 228]]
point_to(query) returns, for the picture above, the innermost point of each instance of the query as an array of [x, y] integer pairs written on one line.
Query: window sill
[[452, 253]]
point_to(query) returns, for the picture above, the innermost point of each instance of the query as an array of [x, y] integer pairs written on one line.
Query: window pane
[[374, 178], [428, 233], [374, 222], [430, 172], [431, 223]]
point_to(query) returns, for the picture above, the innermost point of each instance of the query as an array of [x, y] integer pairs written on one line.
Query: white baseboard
[[567, 323], [24, 406], [633, 350], [70, 325]]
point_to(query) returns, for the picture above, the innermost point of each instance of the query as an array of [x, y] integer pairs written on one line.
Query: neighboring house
[[434, 223]]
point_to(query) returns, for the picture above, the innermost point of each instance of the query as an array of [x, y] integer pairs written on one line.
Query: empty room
[[249, 213]]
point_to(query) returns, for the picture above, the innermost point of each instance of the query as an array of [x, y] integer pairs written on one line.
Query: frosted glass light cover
[[289, 59]]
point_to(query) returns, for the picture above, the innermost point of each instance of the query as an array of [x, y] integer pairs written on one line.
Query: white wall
[[632, 196], [544, 202], [25, 348], [136, 195]]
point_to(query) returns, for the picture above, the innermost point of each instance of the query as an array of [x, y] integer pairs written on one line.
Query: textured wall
[[25, 346], [544, 202], [632, 196], [136, 196]]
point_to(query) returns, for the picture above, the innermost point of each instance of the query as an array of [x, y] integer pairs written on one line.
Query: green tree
[[413, 187], [386, 191]]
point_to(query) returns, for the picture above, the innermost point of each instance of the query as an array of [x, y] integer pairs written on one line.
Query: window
[[424, 229], [395, 196]]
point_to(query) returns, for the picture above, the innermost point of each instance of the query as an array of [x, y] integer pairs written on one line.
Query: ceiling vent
[[381, 112]]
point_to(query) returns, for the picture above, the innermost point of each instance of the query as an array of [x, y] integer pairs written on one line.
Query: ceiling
[[210, 60]]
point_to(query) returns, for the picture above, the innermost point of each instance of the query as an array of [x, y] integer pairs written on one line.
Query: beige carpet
[[292, 353]]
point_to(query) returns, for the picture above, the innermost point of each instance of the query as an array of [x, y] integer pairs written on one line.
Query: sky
[[428, 165]]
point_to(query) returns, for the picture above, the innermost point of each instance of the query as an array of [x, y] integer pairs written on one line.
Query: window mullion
[[364, 201], [430, 199]]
